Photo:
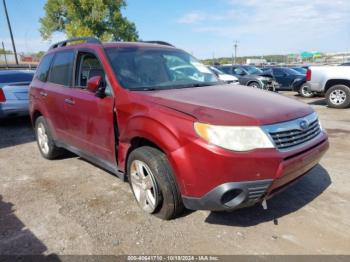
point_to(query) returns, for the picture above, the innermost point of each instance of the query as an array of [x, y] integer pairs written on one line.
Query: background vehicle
[[249, 76], [345, 64], [301, 70], [181, 137], [331, 81], [230, 79], [14, 89], [287, 78]]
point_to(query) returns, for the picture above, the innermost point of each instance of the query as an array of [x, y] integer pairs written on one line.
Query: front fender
[[155, 131]]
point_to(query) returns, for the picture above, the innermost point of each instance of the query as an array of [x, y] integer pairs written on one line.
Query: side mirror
[[94, 83]]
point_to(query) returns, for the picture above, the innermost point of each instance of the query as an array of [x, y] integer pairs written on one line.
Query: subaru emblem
[[303, 124]]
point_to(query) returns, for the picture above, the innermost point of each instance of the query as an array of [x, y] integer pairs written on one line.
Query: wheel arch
[[155, 135], [253, 81], [35, 115], [333, 82]]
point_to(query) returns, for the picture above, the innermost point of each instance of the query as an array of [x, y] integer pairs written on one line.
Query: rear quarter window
[[61, 69], [44, 67]]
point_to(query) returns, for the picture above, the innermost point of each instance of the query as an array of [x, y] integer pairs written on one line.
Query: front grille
[[291, 134]]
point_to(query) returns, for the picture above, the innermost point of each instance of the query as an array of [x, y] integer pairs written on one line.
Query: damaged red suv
[[155, 116]]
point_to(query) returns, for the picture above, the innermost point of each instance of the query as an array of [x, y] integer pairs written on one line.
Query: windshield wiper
[[197, 85]]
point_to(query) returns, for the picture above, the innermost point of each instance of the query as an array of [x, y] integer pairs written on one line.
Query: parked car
[[250, 76], [179, 141], [230, 79], [331, 81], [287, 78], [304, 88], [14, 89], [301, 70], [345, 64]]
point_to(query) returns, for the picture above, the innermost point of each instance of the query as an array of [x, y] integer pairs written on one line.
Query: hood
[[231, 105]]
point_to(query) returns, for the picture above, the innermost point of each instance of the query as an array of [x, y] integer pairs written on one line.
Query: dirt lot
[[69, 206]]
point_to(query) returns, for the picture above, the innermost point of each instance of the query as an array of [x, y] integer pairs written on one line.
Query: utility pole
[[236, 46], [9, 25], [3, 48]]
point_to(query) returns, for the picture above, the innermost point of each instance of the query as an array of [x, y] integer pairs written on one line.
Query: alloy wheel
[[144, 186], [43, 139], [337, 97]]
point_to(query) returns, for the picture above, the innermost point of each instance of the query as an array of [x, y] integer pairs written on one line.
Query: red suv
[[155, 116]]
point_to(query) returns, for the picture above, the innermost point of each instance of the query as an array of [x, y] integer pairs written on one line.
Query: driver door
[[90, 118]]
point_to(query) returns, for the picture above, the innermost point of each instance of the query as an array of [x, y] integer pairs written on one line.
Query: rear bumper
[[315, 87], [14, 108], [235, 195]]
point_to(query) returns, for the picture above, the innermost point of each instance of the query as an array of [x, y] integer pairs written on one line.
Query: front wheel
[[338, 96], [254, 85], [153, 183]]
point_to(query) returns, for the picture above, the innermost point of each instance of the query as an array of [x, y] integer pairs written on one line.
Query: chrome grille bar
[[290, 134]]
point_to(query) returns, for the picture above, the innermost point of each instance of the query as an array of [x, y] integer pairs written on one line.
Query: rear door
[[55, 90], [90, 121], [281, 77]]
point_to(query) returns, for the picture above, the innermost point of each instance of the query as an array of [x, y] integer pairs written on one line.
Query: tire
[[43, 136], [254, 85], [338, 96], [154, 187], [303, 91]]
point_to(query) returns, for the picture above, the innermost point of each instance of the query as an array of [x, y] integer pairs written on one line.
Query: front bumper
[[14, 108], [215, 179]]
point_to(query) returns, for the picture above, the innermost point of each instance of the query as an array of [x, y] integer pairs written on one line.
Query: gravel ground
[[69, 206]]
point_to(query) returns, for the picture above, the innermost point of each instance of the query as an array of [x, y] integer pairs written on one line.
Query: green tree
[[77, 18]]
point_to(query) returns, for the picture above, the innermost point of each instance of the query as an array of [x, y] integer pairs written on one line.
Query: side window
[[278, 72], [61, 69], [238, 71], [89, 66], [44, 67], [226, 70]]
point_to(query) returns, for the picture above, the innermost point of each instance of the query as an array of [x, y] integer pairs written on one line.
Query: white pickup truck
[[331, 81]]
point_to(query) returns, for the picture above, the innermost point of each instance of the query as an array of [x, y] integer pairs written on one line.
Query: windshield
[[155, 69], [216, 71], [252, 70]]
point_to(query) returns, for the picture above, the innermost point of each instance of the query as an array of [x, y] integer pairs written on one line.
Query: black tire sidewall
[[303, 95], [255, 85], [170, 204], [344, 88]]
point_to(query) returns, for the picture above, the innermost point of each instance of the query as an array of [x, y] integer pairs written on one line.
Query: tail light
[[2, 96], [308, 75]]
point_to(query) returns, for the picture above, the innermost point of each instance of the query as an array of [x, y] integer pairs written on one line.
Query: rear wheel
[[153, 184], [46, 144], [338, 96], [305, 92]]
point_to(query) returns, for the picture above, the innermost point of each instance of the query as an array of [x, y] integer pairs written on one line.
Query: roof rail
[[158, 43], [89, 40]]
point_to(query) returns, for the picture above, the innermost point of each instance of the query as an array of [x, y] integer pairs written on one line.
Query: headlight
[[236, 138]]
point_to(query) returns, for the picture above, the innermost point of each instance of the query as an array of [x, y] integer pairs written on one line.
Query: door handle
[[69, 101], [43, 94]]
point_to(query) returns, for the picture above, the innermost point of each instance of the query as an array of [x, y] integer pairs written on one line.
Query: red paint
[[166, 119], [94, 83]]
